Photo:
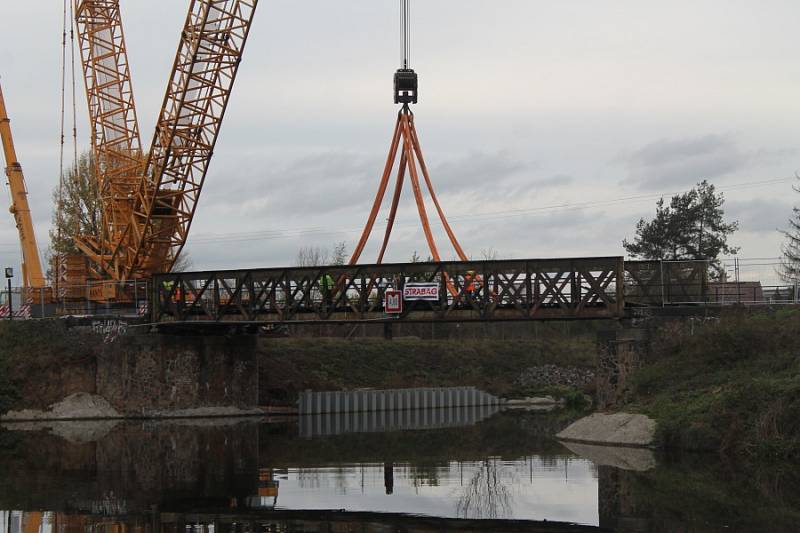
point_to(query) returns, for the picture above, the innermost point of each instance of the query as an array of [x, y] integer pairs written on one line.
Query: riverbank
[[44, 362], [558, 365], [59, 369], [730, 386]]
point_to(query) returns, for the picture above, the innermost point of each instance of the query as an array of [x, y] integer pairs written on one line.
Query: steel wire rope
[[59, 207], [74, 88], [316, 230]]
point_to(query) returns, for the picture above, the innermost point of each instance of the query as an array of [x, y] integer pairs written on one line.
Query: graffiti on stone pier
[[110, 329]]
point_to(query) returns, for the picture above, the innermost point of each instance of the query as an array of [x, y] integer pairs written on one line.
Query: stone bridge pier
[[619, 355], [154, 374]]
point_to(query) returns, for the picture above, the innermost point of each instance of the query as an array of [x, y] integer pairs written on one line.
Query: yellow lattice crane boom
[[32, 276], [149, 201]]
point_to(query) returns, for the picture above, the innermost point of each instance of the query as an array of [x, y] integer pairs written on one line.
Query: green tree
[[790, 263], [691, 227], [78, 207]]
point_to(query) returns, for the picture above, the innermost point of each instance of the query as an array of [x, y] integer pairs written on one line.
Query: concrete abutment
[[138, 374]]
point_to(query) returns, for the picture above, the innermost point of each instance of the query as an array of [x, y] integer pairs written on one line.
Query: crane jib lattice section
[[115, 138], [206, 64], [481, 290], [149, 199]]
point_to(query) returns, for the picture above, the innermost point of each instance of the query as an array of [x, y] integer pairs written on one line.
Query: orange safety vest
[[470, 283]]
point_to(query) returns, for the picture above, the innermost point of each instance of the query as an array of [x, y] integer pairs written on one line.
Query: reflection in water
[[388, 478], [485, 494], [322, 425], [245, 477], [563, 489], [275, 522]]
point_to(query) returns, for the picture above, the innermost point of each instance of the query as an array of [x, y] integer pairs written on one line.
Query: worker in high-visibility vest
[[326, 288], [469, 282]]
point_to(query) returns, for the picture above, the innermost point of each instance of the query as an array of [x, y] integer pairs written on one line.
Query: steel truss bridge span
[[524, 289]]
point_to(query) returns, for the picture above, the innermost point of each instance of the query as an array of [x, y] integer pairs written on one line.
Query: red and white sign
[[421, 291], [393, 302]]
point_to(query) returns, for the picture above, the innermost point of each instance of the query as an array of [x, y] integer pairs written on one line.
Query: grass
[[698, 494], [363, 363], [732, 387]]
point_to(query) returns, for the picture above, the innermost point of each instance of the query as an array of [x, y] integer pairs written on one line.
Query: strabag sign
[[428, 292]]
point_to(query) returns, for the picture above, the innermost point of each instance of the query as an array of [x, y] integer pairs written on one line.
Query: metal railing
[[733, 281], [128, 298]]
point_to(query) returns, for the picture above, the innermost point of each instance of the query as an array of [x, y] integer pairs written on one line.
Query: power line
[[494, 215], [267, 235]]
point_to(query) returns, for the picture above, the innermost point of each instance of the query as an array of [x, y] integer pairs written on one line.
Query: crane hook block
[[405, 86]]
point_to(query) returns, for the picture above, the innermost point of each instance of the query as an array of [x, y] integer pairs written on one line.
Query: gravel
[[549, 375]]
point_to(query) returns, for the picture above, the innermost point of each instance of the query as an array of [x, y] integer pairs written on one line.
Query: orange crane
[[32, 277], [149, 199]]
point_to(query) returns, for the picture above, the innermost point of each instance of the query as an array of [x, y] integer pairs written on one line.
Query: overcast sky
[[550, 127]]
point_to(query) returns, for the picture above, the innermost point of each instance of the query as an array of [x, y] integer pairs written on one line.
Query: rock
[[619, 429], [543, 400], [74, 407]]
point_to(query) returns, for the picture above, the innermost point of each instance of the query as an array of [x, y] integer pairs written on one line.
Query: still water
[[496, 471]]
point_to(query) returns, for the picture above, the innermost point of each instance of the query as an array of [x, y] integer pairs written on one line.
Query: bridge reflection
[[263, 477], [279, 522], [254, 477]]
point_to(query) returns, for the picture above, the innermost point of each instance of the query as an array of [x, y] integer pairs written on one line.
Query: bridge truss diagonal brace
[[406, 141]]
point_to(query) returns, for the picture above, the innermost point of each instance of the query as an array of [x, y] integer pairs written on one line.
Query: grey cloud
[[559, 180], [759, 215], [669, 163], [324, 182], [476, 171], [329, 182]]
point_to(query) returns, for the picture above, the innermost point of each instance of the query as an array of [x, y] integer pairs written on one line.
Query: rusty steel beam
[[530, 289]]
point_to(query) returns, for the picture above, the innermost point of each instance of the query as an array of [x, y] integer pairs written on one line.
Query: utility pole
[[9, 275]]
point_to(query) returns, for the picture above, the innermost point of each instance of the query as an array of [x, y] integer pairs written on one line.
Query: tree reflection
[[485, 495]]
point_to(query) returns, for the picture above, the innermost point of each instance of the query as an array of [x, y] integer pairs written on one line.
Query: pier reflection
[[503, 473]]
